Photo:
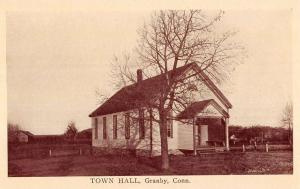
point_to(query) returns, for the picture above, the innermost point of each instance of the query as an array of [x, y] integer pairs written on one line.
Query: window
[[96, 128], [127, 126], [170, 128], [170, 125], [104, 128], [141, 124], [115, 133]]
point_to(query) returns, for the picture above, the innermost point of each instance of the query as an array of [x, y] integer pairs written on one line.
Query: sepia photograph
[[149, 93]]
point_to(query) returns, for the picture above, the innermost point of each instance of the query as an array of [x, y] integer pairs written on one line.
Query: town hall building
[[122, 124]]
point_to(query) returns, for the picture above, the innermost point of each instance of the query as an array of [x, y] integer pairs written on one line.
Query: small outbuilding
[[24, 136]]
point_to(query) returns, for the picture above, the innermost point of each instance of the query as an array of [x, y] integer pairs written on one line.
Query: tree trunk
[[164, 141]]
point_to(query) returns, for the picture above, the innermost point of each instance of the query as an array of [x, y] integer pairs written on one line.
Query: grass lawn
[[210, 164]]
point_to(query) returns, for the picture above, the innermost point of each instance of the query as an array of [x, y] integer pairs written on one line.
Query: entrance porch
[[209, 130], [210, 134]]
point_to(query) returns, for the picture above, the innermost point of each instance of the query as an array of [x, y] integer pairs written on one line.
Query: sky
[[57, 60]]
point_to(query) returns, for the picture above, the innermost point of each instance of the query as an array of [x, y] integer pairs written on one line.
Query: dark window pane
[[104, 128], [127, 126], [141, 124], [96, 128], [115, 125], [170, 125]]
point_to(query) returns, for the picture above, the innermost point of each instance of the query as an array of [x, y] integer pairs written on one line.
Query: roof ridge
[[127, 88], [128, 97], [187, 65]]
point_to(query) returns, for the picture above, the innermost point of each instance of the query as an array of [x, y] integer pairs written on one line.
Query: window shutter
[[141, 124], [104, 128], [171, 128], [170, 124], [127, 126], [115, 125], [96, 128]]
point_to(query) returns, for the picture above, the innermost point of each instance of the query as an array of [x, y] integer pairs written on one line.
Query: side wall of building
[[134, 142], [172, 139], [185, 135]]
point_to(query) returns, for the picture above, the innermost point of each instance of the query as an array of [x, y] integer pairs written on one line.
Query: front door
[[202, 135]]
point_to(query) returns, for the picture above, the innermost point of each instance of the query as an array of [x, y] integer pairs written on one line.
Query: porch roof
[[197, 107]]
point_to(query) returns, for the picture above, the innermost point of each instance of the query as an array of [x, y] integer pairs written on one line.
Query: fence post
[[255, 146], [244, 148], [267, 147], [50, 153]]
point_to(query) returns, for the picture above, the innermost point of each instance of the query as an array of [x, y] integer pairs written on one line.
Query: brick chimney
[[139, 75]]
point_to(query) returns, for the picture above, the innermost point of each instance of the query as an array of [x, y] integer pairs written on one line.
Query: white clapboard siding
[[134, 142], [205, 93], [172, 141], [185, 136]]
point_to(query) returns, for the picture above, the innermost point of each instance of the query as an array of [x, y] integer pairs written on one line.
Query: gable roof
[[197, 107], [26, 133], [132, 96], [214, 88]]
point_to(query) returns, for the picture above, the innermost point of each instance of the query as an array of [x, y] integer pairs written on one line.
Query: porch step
[[210, 154], [204, 150]]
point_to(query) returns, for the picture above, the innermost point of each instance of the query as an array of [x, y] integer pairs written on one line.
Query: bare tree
[[71, 131], [12, 132], [172, 39], [287, 120]]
